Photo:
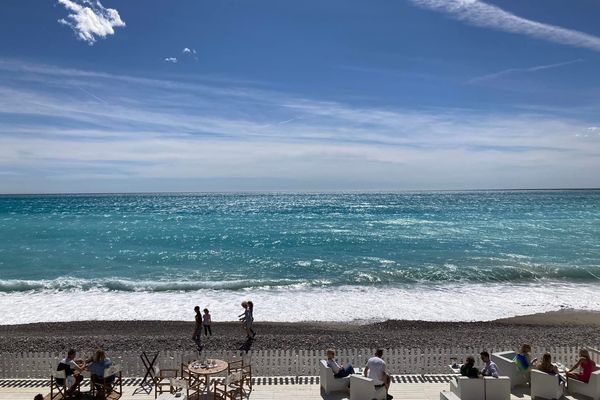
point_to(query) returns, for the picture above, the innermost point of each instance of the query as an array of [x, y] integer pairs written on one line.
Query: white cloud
[[187, 50], [485, 15], [221, 132], [90, 20], [511, 71], [171, 60]]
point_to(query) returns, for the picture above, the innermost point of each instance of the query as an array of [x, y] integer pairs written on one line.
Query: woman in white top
[[338, 370]]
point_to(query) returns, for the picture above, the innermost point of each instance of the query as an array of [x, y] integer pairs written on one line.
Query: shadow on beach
[[247, 345]]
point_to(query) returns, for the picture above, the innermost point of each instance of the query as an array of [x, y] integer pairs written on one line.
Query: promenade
[[405, 387]]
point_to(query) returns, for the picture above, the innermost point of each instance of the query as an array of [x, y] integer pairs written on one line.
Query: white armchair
[[545, 385], [362, 388], [497, 388], [468, 388], [507, 367], [590, 389], [329, 383]]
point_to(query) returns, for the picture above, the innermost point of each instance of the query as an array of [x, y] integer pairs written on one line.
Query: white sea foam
[[468, 302]]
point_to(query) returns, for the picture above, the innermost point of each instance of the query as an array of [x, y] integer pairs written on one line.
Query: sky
[[312, 95]]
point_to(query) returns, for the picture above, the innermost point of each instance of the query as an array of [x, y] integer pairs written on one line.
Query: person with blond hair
[[586, 365], [523, 360], [99, 363]]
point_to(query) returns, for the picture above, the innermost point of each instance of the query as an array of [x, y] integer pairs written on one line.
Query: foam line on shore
[[466, 302]]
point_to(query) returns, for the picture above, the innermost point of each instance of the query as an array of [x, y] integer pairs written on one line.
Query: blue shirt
[[522, 361], [97, 368]]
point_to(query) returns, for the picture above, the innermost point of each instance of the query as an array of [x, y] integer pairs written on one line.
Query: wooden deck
[[402, 389]]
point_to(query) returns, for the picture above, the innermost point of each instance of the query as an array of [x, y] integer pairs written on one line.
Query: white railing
[[280, 362], [594, 354]]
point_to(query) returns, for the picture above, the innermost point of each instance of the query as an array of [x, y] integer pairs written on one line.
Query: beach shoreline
[[558, 328]]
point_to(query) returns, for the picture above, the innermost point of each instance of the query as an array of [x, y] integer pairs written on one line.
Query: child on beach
[[251, 317], [206, 322]]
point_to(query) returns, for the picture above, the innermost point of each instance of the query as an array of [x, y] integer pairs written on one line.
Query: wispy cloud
[[187, 50], [92, 95], [511, 71], [90, 20], [171, 60], [245, 137], [485, 15]]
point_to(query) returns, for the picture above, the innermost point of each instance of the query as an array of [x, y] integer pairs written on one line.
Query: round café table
[[197, 371]]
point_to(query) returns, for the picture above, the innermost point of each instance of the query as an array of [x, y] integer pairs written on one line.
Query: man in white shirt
[[375, 369], [489, 367]]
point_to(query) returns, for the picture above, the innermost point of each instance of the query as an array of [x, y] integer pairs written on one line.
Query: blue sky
[[233, 95]]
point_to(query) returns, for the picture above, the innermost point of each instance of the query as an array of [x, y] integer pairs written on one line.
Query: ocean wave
[[69, 284], [380, 273]]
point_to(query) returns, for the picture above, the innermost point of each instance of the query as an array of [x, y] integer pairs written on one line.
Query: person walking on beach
[[251, 318], [242, 316], [375, 369], [246, 318], [197, 336], [206, 322]]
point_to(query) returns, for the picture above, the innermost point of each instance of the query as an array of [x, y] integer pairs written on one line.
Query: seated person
[[489, 367], [338, 370], [72, 372], [97, 366], [587, 366], [468, 368], [523, 360], [375, 369], [546, 365]]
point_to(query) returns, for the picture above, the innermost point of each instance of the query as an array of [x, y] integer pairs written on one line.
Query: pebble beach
[[561, 328]]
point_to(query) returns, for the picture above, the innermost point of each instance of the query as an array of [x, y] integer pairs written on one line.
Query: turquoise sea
[[416, 255]]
